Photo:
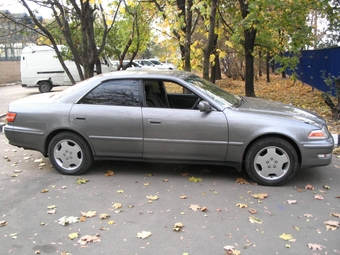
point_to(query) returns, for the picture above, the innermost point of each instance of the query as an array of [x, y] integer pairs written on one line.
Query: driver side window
[[179, 97]]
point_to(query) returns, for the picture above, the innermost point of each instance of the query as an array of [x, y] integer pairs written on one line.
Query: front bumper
[[336, 138]]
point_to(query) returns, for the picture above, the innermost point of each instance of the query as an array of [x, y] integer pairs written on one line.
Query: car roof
[[76, 91]]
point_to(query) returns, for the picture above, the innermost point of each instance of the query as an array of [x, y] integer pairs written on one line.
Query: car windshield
[[216, 93]]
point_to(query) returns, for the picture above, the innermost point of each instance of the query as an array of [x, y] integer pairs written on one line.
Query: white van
[[41, 68]]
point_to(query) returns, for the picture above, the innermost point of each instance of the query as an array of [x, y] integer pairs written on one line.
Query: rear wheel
[[271, 161], [70, 154], [45, 86]]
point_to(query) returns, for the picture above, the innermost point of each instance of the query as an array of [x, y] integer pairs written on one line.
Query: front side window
[[114, 92]]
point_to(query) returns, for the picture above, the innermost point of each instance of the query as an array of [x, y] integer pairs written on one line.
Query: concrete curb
[[10, 84]]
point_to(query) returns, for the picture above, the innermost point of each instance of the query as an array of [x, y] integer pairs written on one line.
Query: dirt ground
[[9, 72]]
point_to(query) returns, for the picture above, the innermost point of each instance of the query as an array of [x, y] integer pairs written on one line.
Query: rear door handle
[[79, 117], [154, 121]]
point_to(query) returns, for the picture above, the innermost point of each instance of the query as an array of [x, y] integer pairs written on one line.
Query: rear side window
[[114, 92]]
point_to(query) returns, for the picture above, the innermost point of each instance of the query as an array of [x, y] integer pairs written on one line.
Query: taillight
[[10, 116]]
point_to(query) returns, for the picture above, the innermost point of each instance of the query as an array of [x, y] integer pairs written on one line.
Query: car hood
[[281, 110]]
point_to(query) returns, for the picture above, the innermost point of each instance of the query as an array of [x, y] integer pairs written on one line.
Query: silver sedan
[[168, 116]]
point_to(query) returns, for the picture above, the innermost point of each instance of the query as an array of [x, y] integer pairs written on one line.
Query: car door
[[184, 134], [110, 117]]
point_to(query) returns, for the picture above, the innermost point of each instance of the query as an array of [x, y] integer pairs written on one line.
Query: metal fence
[[316, 65]]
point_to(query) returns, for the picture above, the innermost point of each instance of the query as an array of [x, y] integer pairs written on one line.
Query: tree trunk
[[208, 49], [249, 41], [268, 67], [249, 36]]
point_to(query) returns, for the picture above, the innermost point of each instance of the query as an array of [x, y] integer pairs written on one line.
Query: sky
[[14, 7]]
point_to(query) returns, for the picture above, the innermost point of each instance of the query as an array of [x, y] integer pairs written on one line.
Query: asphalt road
[[215, 210]]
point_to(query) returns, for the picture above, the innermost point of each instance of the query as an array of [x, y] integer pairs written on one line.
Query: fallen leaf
[[194, 179], [308, 215], [204, 209], [109, 173], [117, 205], [111, 222], [44, 191], [152, 198], [183, 197], [178, 226], [291, 202], [335, 215], [89, 239], [149, 175], [260, 195], [308, 186], [332, 224], [89, 214], [315, 247], [326, 187], [52, 211], [252, 211], [82, 181], [242, 205], [73, 235], [194, 207], [286, 237], [147, 184], [241, 181], [318, 197], [120, 191], [253, 219], [67, 220], [40, 160], [104, 216], [165, 180], [143, 234], [3, 223]]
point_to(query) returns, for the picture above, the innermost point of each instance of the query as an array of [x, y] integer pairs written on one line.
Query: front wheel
[[271, 161], [70, 154], [45, 86]]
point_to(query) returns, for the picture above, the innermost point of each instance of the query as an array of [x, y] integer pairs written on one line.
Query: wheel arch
[[286, 138], [58, 131]]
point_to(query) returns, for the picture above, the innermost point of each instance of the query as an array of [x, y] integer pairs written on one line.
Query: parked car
[[127, 65], [168, 116], [161, 65]]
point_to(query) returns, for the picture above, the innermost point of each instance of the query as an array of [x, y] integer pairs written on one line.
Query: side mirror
[[204, 106]]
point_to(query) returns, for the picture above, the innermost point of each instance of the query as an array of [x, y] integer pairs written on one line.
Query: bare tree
[[72, 19]]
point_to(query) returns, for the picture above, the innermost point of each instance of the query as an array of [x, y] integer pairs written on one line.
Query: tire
[[45, 86], [271, 161], [70, 154]]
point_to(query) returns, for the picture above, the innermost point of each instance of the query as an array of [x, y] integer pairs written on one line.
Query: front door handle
[[154, 121]]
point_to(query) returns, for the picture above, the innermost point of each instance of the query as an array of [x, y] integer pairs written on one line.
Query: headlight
[[319, 134]]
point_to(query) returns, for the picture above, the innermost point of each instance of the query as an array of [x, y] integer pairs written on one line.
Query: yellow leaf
[[153, 198], [111, 222], [194, 179], [120, 191], [73, 235], [286, 237]]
